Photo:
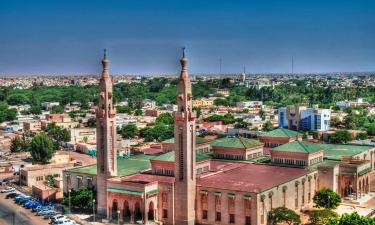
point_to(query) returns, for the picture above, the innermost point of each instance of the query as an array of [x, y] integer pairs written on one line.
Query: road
[[13, 214]]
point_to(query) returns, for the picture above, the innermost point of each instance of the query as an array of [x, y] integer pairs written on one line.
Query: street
[[13, 214]]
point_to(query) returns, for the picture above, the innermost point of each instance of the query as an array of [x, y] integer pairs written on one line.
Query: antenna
[[220, 61], [292, 65]]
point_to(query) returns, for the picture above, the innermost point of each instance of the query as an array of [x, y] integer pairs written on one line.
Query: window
[[247, 220], [231, 218], [165, 213], [204, 214], [218, 217]]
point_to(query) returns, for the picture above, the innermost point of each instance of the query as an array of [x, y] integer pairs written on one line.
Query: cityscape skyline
[[67, 37]]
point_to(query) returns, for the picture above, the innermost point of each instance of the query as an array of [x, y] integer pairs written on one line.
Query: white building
[[302, 118]]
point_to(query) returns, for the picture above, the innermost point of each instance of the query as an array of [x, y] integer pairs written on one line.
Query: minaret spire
[[184, 135], [105, 63], [183, 62]]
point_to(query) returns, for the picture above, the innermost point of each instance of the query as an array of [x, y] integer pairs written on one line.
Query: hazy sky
[[67, 36]]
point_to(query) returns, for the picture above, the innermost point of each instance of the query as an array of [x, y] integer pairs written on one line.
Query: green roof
[[281, 132], [170, 157], [298, 146], [125, 167], [235, 142], [129, 192], [337, 151], [198, 140]]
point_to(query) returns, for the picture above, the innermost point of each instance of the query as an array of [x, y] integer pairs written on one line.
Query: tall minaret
[[105, 137], [184, 135]]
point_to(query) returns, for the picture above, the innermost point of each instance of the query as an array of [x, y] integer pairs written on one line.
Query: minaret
[[105, 137], [243, 75], [184, 135]]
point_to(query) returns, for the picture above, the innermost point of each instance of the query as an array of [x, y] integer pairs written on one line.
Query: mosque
[[187, 187]]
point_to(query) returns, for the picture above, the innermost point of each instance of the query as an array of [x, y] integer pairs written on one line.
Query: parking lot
[[18, 209]]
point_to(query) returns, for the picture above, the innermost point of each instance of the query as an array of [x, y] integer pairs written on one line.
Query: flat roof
[[125, 167], [251, 177], [337, 151]]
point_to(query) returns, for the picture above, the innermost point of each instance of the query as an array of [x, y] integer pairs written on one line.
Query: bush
[[283, 215], [326, 198], [322, 217]]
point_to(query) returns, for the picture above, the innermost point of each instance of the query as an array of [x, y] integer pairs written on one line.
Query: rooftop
[[298, 146], [125, 167], [170, 157], [337, 151], [281, 132], [198, 140], [236, 142], [251, 177]]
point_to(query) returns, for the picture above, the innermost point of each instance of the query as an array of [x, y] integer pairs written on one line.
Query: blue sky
[[67, 37]]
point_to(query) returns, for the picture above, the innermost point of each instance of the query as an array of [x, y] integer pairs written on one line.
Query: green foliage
[[326, 198], [160, 132], [322, 217], [371, 129], [283, 215], [241, 125], [352, 219], [50, 180], [128, 131], [58, 133], [226, 119], [57, 109], [138, 112], [91, 122], [19, 144], [268, 126], [340, 137], [124, 109], [17, 99], [35, 109], [165, 118], [7, 114], [362, 136], [42, 148], [81, 199]]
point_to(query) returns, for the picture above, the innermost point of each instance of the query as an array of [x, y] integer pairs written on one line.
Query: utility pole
[[220, 62], [292, 65]]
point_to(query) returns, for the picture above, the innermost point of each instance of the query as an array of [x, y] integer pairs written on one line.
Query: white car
[[8, 189], [64, 222]]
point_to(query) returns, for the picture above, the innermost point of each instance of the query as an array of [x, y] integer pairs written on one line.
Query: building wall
[[73, 183], [30, 177]]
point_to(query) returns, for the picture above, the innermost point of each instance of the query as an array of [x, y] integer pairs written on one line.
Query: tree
[[283, 215], [7, 114], [128, 131], [322, 217], [340, 137], [165, 118], [326, 198], [335, 122], [57, 109], [362, 136], [42, 148], [124, 109], [138, 112], [91, 122], [352, 219], [81, 199], [18, 144], [35, 109], [371, 129], [241, 125], [268, 126]]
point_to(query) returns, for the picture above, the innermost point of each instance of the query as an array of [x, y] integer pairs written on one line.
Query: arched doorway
[[126, 211], [114, 209], [151, 211], [367, 186], [137, 212]]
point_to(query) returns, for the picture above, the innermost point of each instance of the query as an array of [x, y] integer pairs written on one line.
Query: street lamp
[[93, 209], [70, 204], [118, 217]]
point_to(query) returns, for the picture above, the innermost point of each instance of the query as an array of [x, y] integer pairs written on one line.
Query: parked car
[[11, 195], [7, 190], [58, 217], [49, 215]]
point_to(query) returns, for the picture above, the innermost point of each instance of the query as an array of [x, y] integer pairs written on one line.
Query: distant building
[[345, 104], [202, 103], [250, 104], [303, 118], [222, 91]]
